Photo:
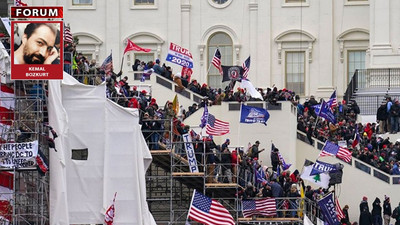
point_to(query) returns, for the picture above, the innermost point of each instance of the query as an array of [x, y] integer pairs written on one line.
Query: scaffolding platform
[[269, 220]]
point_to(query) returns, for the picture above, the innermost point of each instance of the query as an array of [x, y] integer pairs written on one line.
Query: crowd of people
[[163, 126], [370, 147]]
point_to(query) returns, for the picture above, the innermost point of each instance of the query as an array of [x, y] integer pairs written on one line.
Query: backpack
[[395, 213], [250, 152]]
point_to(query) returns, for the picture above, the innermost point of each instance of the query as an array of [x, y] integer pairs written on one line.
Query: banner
[[180, 56], [322, 167], [35, 59], [327, 206], [18, 154], [191, 157], [250, 114]]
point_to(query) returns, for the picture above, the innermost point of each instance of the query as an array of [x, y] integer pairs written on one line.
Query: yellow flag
[[301, 205], [175, 104]]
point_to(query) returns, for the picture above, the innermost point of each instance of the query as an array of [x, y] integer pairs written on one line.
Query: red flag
[[109, 217], [133, 47], [6, 190]]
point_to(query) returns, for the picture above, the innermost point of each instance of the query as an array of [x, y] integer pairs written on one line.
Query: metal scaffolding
[[29, 203], [170, 184]]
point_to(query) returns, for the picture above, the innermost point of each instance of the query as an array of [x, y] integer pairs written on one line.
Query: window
[[295, 72], [82, 2], [219, 1], [355, 61], [79, 154], [144, 2], [224, 43], [294, 1]]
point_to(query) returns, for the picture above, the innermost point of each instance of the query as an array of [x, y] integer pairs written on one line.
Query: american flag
[[213, 126], [332, 102], [331, 149], [356, 138], [216, 61], [68, 35], [107, 65], [209, 211], [246, 68], [266, 207], [339, 211], [19, 3]]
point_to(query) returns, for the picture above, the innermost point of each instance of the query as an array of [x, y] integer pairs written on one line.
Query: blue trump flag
[[327, 206], [322, 167], [250, 114], [325, 111]]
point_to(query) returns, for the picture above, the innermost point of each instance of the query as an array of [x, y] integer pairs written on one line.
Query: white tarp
[[118, 157]]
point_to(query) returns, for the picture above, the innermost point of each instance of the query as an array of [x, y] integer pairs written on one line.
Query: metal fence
[[373, 78]]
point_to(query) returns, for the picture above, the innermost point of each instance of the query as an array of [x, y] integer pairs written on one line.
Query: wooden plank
[[218, 185], [160, 152], [177, 174], [271, 219]]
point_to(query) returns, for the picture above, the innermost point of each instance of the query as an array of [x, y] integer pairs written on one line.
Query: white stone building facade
[[310, 46]]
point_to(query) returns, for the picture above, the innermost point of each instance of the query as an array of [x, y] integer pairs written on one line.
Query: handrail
[[172, 86], [356, 163]]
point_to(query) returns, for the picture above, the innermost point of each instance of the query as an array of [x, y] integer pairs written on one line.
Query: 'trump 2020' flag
[[266, 207], [110, 213], [328, 209], [251, 114], [331, 149], [133, 47], [180, 56], [324, 111], [208, 211], [322, 167], [213, 126]]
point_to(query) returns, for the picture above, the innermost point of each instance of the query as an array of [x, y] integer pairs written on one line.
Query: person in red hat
[[364, 204]]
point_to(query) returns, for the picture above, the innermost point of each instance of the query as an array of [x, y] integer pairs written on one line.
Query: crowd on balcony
[[370, 147]]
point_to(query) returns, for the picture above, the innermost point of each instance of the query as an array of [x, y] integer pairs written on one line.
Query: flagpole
[[191, 202], [122, 63]]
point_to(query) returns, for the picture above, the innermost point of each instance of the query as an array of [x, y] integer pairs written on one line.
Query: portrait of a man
[[39, 44]]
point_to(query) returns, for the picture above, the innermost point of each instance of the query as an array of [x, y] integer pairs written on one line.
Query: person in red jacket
[[235, 164], [133, 103]]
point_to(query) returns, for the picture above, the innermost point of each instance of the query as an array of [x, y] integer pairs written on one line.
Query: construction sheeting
[[118, 157]]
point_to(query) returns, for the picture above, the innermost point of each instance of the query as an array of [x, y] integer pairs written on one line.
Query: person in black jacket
[[377, 212], [381, 118], [394, 116], [365, 217], [387, 210]]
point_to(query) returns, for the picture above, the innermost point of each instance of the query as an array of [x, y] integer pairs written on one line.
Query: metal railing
[[373, 78], [356, 163]]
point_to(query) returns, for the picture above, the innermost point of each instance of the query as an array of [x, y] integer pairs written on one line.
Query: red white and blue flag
[[265, 207], [19, 3], [213, 126], [216, 61], [110, 213], [356, 138], [107, 65], [208, 211], [332, 102], [331, 149], [339, 211], [7, 105], [68, 35], [246, 68]]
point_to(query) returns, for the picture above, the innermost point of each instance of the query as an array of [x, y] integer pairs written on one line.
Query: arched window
[[223, 42]]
